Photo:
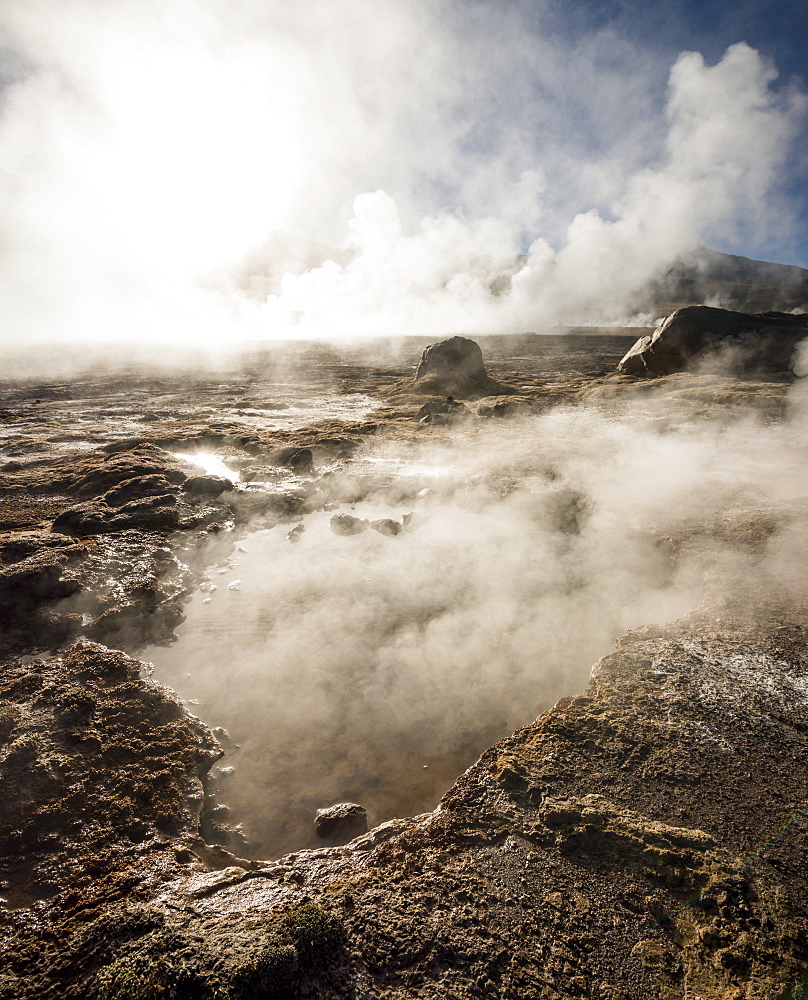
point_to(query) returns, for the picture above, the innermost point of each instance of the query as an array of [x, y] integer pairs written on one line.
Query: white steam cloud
[[344, 665], [148, 150]]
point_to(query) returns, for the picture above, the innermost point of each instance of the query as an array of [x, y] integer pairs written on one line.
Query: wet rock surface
[[732, 340], [651, 870], [212, 486], [646, 838]]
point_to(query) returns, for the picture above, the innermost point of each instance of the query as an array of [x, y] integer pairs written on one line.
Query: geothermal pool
[[376, 668]]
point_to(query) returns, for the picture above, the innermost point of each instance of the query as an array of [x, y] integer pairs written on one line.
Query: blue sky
[[654, 34], [777, 29]]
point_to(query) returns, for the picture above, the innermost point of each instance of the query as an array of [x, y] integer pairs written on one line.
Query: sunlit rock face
[[454, 367], [732, 340], [342, 822]]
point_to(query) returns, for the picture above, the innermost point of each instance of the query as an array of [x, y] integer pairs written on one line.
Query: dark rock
[[37, 577], [207, 485], [447, 409], [347, 524], [738, 341], [341, 823], [137, 488], [298, 459], [294, 534], [158, 513], [143, 460], [455, 367], [387, 526], [11, 467]]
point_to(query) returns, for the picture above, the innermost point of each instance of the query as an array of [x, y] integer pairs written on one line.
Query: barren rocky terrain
[[643, 836]]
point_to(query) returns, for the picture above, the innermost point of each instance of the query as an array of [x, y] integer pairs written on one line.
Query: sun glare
[[203, 155]]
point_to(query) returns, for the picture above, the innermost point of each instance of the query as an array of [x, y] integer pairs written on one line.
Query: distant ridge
[[731, 282], [703, 277]]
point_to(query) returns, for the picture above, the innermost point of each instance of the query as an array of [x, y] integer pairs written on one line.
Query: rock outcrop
[[104, 516], [733, 340], [644, 839], [454, 367]]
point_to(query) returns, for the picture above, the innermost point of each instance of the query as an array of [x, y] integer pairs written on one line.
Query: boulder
[[739, 341], [454, 367], [210, 486], [340, 823], [347, 524]]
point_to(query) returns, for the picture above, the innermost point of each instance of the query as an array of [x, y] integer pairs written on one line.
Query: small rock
[[293, 535], [347, 524], [210, 486], [387, 526], [342, 822]]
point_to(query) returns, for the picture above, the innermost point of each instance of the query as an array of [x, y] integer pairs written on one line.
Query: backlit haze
[[162, 165]]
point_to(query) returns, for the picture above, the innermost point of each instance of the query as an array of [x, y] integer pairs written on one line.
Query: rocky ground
[[644, 838]]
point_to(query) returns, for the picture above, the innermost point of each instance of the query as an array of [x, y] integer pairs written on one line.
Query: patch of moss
[[121, 981], [75, 707], [799, 992], [9, 719], [318, 936], [137, 979], [269, 975]]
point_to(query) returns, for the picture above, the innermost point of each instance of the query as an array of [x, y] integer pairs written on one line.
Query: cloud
[[147, 149], [728, 136]]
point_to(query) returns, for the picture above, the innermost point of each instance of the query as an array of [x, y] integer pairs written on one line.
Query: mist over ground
[[375, 668], [150, 156]]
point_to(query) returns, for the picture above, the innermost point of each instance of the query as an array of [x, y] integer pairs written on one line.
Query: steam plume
[[146, 151]]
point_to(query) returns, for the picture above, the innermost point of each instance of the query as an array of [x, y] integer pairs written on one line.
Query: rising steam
[[148, 152], [376, 668]]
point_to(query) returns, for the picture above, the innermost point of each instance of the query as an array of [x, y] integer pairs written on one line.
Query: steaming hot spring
[[376, 619], [360, 601]]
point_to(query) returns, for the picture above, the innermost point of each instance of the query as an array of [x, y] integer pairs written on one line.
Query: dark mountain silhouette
[[703, 277], [720, 279]]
